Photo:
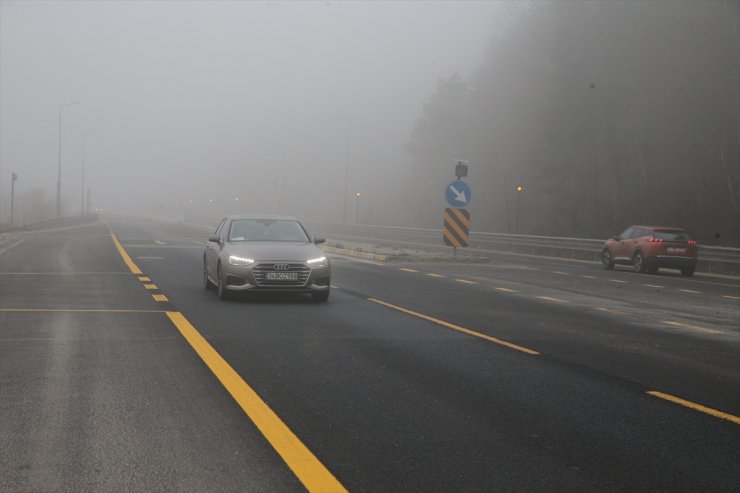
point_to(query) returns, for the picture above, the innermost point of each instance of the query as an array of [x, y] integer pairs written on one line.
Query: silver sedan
[[265, 253]]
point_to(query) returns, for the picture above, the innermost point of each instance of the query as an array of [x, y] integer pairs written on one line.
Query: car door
[[621, 249], [213, 248], [633, 244]]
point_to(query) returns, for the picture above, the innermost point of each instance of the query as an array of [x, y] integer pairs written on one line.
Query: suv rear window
[[672, 235]]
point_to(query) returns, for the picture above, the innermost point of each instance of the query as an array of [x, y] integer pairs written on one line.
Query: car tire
[[688, 271], [652, 269], [606, 259], [207, 284], [320, 296], [639, 263], [221, 291]]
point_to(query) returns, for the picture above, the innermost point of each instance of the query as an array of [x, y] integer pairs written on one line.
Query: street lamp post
[[346, 167], [519, 190], [82, 189], [59, 170], [357, 208]]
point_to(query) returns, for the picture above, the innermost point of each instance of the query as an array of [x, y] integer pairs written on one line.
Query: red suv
[[648, 248]]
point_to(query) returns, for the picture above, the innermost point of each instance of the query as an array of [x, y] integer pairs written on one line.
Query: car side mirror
[[215, 239], [318, 240]]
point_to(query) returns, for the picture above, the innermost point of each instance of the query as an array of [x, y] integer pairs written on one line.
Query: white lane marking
[[11, 246]]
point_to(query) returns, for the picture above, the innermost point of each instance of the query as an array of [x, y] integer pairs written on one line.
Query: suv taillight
[[692, 242], [655, 240]]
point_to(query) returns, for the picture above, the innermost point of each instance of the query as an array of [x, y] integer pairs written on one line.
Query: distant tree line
[[609, 113]]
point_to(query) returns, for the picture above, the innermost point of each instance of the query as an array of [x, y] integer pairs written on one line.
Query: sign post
[[456, 231]]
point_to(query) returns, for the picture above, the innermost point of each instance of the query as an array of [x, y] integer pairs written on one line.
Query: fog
[[607, 113], [213, 101]]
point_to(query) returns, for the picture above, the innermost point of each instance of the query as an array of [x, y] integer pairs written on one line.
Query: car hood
[[271, 251]]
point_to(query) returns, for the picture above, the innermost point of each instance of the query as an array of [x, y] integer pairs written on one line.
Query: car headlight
[[317, 262], [237, 260]]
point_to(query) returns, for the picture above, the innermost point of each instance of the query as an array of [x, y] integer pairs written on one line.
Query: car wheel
[[207, 284], [688, 271], [320, 295], [606, 259], [639, 263], [221, 291]]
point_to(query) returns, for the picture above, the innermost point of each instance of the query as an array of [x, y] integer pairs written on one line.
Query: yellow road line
[[65, 273], [506, 290], [653, 286], [432, 274], [731, 297], [556, 300], [609, 310], [691, 291], [303, 463], [455, 327], [144, 279], [691, 327], [465, 281], [697, 407], [130, 263], [159, 297], [77, 310], [408, 270], [150, 286]]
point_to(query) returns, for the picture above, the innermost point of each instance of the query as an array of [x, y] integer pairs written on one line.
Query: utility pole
[[84, 151], [357, 208], [519, 190], [14, 178], [59, 171]]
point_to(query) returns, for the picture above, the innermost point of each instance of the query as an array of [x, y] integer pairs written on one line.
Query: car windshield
[[671, 235], [267, 230]]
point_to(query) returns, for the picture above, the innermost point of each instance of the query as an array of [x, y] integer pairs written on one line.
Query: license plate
[[676, 250], [281, 276]]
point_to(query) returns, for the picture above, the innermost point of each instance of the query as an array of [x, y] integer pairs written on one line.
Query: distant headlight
[[317, 262], [236, 260]]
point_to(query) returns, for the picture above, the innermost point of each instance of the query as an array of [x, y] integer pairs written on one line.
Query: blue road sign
[[458, 194]]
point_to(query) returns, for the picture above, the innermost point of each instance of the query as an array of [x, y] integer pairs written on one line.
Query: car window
[[639, 233], [267, 230], [672, 235], [220, 227], [626, 234]]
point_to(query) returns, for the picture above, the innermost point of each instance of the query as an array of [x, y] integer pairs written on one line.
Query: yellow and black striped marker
[[457, 226]]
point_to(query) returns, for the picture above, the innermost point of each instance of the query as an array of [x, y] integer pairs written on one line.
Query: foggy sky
[[217, 100]]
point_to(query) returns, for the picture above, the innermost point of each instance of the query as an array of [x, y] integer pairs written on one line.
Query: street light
[[82, 190], [59, 171], [519, 190], [357, 208], [346, 167]]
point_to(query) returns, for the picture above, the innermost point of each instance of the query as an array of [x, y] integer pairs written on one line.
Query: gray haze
[[219, 100]]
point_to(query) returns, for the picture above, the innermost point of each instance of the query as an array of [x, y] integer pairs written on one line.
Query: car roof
[[261, 216]]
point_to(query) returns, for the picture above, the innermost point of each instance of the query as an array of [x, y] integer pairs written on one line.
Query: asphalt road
[[517, 375]]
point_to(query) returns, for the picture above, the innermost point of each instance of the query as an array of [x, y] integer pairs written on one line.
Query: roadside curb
[[354, 253]]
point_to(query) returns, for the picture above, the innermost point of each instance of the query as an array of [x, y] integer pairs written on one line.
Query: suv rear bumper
[[672, 261]]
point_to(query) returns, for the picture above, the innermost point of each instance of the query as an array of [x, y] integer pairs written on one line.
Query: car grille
[[260, 274]]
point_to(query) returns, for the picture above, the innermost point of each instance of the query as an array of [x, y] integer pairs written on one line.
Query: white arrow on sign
[[459, 196]]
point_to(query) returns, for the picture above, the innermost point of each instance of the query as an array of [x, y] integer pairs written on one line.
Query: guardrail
[[720, 260]]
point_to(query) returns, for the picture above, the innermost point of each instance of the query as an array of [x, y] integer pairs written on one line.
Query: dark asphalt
[[113, 400]]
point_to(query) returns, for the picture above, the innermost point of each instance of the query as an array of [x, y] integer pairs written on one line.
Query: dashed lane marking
[[690, 291], [506, 290], [404, 269], [465, 281], [731, 297], [618, 280], [590, 277], [11, 246], [609, 310], [560, 273], [159, 242], [458, 328], [150, 286], [656, 286], [304, 464], [549, 298], [159, 297], [144, 279], [691, 327], [697, 407], [432, 274]]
